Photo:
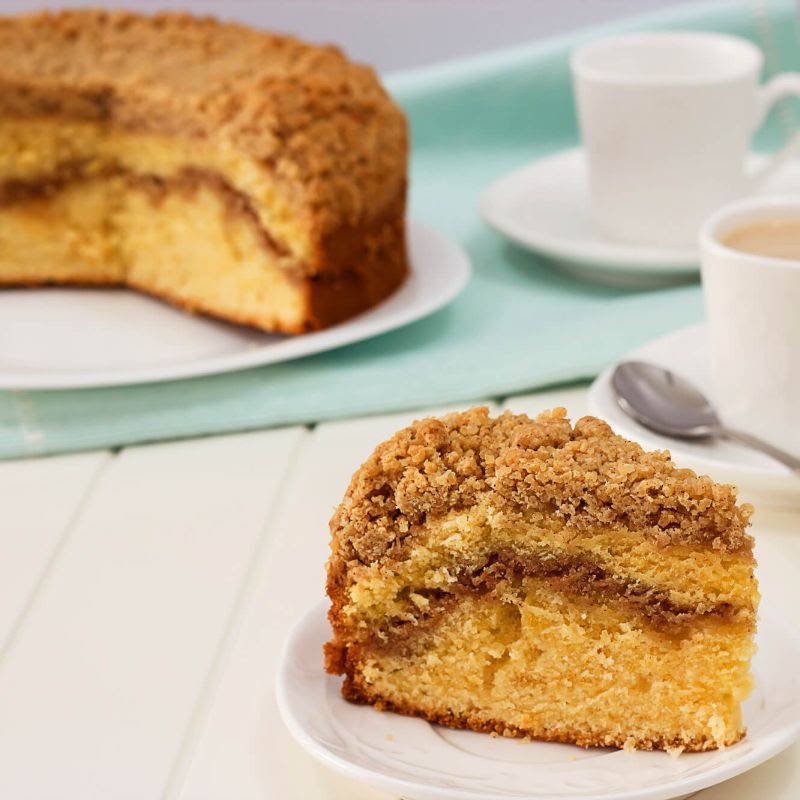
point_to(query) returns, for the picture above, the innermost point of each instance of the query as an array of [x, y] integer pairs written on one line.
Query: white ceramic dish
[[419, 761], [58, 338], [544, 207], [685, 352]]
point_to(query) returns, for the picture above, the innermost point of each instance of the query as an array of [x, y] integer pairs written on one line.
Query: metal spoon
[[666, 403]]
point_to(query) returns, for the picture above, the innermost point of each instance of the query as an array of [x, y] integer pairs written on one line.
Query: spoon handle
[[793, 462]]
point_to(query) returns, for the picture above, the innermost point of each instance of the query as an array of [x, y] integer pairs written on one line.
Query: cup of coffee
[[666, 121], [750, 253]]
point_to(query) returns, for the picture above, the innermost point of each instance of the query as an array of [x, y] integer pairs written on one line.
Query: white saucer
[[419, 761], [57, 338], [544, 207], [685, 352]]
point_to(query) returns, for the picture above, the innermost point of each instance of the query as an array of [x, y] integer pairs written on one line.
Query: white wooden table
[[145, 597]]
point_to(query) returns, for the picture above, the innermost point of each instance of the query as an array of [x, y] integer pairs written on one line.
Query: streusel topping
[[305, 112], [585, 474]]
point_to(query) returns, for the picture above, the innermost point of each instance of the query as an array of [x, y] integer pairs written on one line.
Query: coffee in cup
[[775, 237]]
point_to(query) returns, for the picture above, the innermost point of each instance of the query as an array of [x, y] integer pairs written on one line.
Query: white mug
[[753, 308], [666, 121]]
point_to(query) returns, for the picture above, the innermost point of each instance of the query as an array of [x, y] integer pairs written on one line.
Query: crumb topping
[[310, 115], [514, 464]]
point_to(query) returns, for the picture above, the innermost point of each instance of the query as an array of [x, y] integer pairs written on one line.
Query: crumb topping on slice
[[514, 464]]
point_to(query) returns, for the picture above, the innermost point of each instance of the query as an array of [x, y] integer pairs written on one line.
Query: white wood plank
[[245, 752], [101, 685], [40, 500]]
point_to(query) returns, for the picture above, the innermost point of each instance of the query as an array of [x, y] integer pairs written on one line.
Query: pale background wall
[[391, 34]]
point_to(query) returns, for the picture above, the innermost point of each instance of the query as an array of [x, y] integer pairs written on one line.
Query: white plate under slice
[[416, 760], [59, 338], [685, 352], [544, 207]]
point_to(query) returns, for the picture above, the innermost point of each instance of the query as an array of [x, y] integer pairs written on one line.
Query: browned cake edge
[[354, 693]]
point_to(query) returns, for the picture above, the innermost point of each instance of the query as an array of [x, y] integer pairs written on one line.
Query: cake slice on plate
[[530, 578], [230, 171]]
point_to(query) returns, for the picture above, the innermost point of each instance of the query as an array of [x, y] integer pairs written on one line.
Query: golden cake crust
[[356, 694], [316, 119], [585, 474]]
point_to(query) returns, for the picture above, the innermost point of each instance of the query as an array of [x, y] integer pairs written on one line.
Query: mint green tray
[[519, 324]]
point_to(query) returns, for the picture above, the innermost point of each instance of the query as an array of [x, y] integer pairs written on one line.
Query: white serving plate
[[685, 352], [61, 338], [417, 760]]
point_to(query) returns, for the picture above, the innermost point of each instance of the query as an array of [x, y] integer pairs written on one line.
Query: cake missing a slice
[[229, 171], [531, 578]]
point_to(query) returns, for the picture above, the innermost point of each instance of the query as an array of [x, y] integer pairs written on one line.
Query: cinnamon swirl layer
[[193, 221], [534, 662], [663, 586], [189, 237]]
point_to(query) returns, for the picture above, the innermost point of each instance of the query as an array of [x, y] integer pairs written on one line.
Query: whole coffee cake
[[230, 171]]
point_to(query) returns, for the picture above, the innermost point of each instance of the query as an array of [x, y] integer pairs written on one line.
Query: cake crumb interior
[[87, 205]]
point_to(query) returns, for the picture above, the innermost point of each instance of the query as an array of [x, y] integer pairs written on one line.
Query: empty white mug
[[666, 121], [753, 308]]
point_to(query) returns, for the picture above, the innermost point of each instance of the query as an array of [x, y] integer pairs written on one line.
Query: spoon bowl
[[666, 403]]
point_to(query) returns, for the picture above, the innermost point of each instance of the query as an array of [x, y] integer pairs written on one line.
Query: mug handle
[[786, 84]]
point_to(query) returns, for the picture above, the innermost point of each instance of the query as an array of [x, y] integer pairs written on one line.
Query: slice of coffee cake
[[531, 578]]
